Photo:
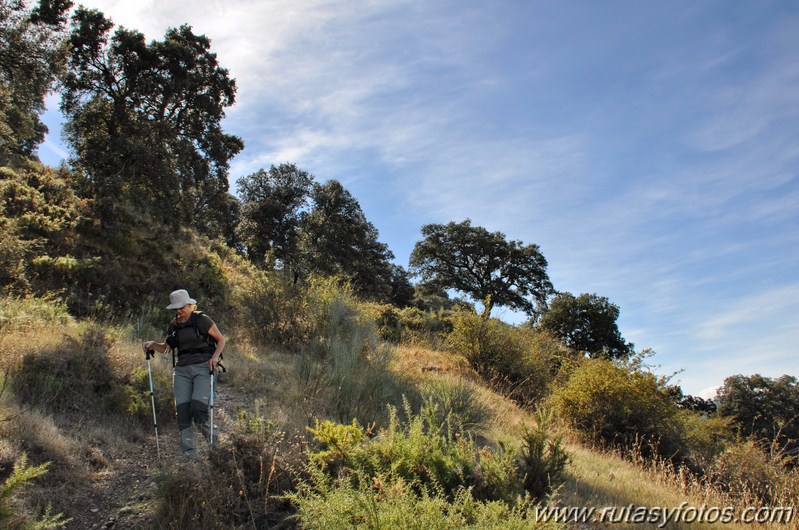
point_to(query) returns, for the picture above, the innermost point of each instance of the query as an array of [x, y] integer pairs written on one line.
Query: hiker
[[199, 344]]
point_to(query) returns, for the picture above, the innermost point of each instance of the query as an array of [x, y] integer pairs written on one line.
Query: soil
[[123, 492]]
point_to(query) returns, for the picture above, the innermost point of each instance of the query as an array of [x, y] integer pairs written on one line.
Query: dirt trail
[[121, 495]]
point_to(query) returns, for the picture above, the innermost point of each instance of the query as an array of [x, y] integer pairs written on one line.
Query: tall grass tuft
[[31, 314], [454, 402], [346, 373], [28, 324], [743, 477]]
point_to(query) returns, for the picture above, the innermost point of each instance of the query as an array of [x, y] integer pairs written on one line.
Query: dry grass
[[62, 420], [21, 333], [595, 478], [267, 383], [37, 432], [415, 361], [506, 419], [601, 479], [30, 327], [267, 379]]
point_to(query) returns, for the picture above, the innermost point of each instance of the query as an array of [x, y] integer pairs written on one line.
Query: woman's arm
[[215, 334], [157, 346]]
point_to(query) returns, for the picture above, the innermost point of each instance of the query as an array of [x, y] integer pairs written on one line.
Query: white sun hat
[[180, 298]]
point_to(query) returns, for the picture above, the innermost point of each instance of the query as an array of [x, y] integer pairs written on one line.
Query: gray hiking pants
[[192, 387]]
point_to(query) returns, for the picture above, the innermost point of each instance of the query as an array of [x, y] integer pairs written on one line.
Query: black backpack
[[187, 338]]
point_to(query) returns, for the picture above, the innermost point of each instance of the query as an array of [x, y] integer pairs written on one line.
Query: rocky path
[[122, 494]]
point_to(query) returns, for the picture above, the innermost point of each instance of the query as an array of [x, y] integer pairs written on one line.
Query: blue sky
[[651, 149]]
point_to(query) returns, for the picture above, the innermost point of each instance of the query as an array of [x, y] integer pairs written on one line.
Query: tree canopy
[[316, 228], [337, 239], [586, 323], [144, 121], [482, 265], [31, 57], [273, 204], [763, 407]]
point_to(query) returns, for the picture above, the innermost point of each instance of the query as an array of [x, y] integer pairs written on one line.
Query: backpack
[[189, 338]]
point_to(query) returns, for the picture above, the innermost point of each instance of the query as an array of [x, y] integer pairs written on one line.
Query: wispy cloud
[[759, 309], [650, 151]]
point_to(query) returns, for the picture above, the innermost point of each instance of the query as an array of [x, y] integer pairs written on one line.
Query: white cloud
[[506, 183], [708, 393], [761, 309], [659, 173]]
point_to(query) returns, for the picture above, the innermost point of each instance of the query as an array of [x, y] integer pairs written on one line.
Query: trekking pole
[[211, 408], [148, 354]]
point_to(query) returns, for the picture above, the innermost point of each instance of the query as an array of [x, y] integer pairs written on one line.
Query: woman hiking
[[198, 343]]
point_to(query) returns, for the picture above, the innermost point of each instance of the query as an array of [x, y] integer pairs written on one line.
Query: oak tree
[[482, 265], [587, 323], [337, 239], [31, 57], [144, 121], [763, 407], [272, 205]]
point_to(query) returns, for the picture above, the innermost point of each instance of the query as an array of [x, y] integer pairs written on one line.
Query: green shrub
[[386, 319], [10, 517], [613, 404], [389, 502], [411, 475], [14, 254], [518, 361], [338, 441], [204, 277], [106, 272], [38, 207], [51, 274], [131, 396], [543, 457], [407, 325], [763, 407], [703, 438], [269, 308], [426, 327], [751, 475], [418, 452], [413, 318]]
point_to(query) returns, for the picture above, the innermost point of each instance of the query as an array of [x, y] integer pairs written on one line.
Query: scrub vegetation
[[353, 397]]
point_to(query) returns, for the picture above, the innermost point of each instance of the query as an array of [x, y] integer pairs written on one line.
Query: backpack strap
[[205, 336], [191, 325]]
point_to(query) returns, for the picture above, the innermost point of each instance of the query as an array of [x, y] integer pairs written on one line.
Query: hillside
[[355, 397], [105, 471]]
